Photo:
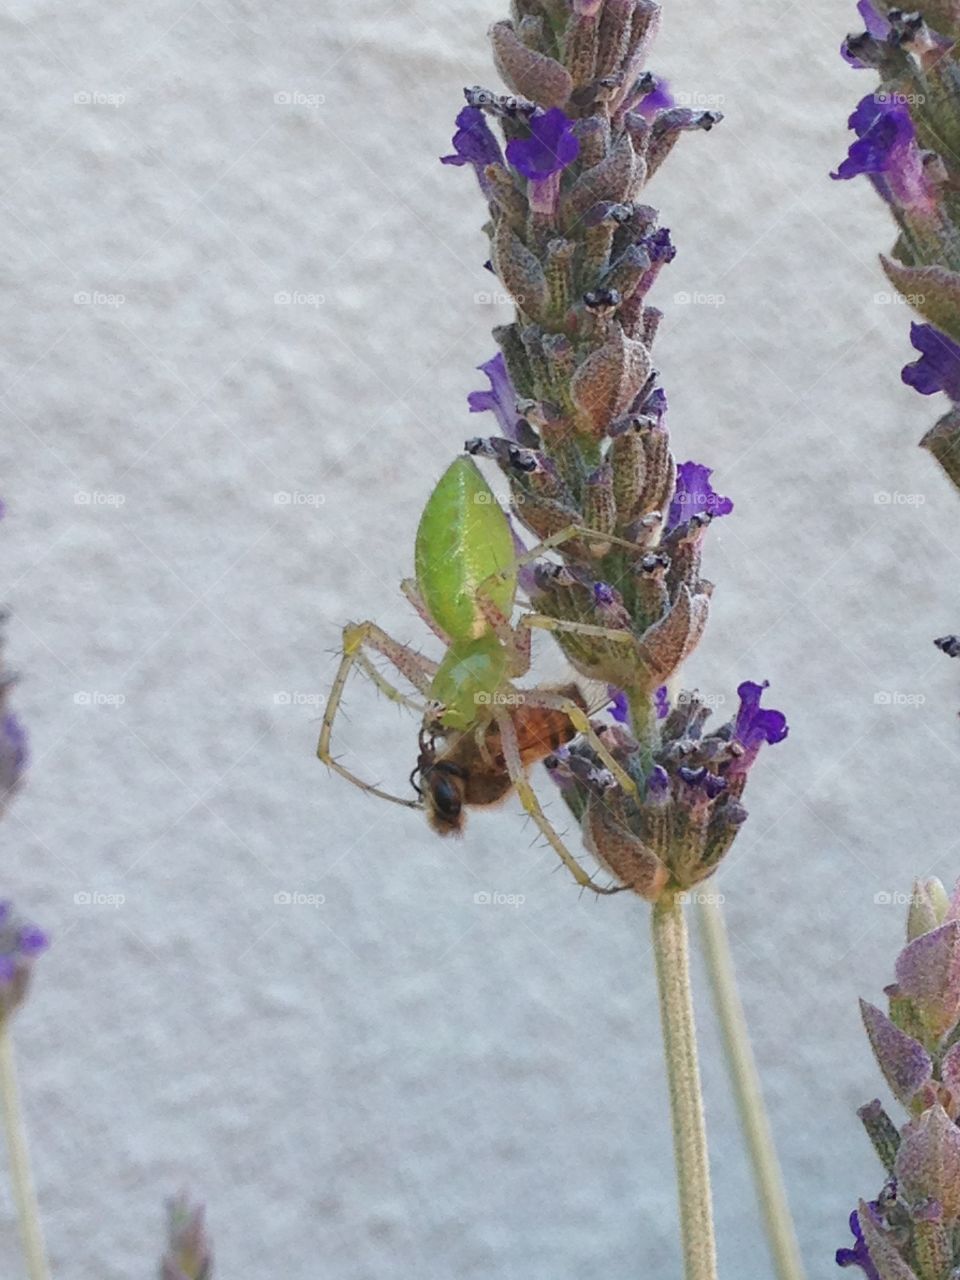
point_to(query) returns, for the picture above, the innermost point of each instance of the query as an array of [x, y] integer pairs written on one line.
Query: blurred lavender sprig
[[908, 146], [582, 419], [188, 1254], [911, 1230]]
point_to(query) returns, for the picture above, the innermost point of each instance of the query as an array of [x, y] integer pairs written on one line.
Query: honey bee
[[460, 770]]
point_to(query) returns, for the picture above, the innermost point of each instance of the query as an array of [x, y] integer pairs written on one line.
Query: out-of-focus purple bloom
[[886, 152], [659, 246], [658, 785], [541, 158], [655, 405], [755, 725], [859, 1255], [710, 784], [658, 99], [14, 752], [876, 25], [474, 143], [188, 1255], [20, 944], [938, 368], [695, 496], [501, 399], [619, 707], [875, 22]]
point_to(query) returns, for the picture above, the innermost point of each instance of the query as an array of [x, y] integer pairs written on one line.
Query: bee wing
[[596, 694]]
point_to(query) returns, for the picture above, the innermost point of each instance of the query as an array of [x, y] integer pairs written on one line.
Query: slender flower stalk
[[188, 1254], [683, 1074], [28, 1212], [767, 1175], [20, 944]]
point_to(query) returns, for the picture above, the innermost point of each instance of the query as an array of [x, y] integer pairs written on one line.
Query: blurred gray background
[[400, 1082]]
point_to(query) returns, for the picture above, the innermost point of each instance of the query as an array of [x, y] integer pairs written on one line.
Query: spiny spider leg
[[555, 540], [545, 623], [412, 665], [386, 688], [528, 798]]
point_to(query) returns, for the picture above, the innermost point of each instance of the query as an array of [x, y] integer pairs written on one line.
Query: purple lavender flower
[[14, 753], [938, 368], [20, 944], [620, 709], [542, 157], [661, 701], [658, 99], [755, 725], [702, 780], [886, 152], [859, 1255], [475, 144], [501, 399], [877, 26], [658, 785], [695, 496]]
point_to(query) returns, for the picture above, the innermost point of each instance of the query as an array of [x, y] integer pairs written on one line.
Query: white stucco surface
[[400, 1082]]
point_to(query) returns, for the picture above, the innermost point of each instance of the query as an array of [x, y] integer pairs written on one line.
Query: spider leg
[[410, 589], [528, 798], [572, 531], [412, 665], [546, 623], [516, 640]]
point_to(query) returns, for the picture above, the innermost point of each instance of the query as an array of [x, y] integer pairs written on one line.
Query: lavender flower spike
[[907, 146], [911, 1229]]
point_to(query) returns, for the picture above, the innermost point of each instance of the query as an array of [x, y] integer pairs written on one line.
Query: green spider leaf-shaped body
[[462, 540]]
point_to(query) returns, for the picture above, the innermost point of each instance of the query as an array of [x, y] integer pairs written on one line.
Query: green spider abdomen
[[463, 539], [468, 679]]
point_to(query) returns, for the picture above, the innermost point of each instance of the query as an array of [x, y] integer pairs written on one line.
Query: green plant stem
[[24, 1195], [686, 1101], [767, 1177]]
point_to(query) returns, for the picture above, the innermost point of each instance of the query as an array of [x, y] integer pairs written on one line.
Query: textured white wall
[[401, 1083]]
